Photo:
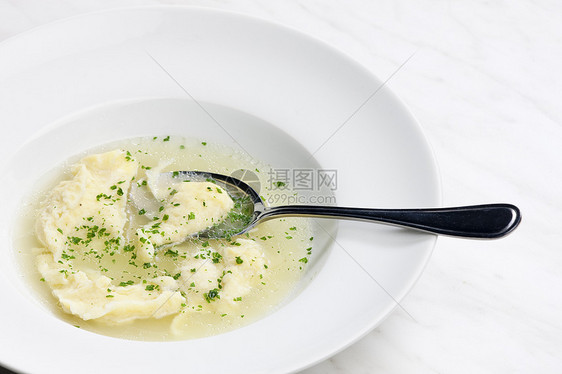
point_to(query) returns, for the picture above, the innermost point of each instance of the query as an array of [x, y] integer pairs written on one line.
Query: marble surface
[[484, 82]]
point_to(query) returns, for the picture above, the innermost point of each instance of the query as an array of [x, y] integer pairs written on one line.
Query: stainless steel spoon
[[488, 221]]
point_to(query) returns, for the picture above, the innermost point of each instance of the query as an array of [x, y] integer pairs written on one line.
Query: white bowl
[[245, 82]]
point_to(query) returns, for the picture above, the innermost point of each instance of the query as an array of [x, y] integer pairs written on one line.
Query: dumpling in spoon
[[185, 208]]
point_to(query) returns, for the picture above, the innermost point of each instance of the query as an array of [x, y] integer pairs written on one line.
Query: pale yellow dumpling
[[101, 263]]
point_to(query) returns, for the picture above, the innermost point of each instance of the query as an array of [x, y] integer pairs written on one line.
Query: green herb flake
[[216, 257], [128, 248], [171, 253], [211, 295]]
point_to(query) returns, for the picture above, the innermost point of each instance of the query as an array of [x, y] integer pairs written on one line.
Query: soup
[[103, 263]]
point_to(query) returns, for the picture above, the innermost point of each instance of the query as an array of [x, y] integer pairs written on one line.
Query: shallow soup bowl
[[280, 96]]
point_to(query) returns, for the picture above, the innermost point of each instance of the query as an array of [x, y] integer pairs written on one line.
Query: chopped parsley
[[212, 295], [216, 257], [171, 253]]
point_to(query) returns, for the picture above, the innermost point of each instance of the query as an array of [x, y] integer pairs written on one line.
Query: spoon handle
[[488, 221]]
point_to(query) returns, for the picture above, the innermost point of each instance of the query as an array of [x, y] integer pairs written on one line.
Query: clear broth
[[285, 256]]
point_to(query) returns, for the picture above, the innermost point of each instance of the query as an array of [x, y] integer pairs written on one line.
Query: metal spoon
[[488, 221]]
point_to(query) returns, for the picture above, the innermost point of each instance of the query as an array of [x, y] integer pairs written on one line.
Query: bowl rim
[[310, 38]]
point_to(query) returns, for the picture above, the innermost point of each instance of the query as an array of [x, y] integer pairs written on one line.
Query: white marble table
[[485, 83]]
